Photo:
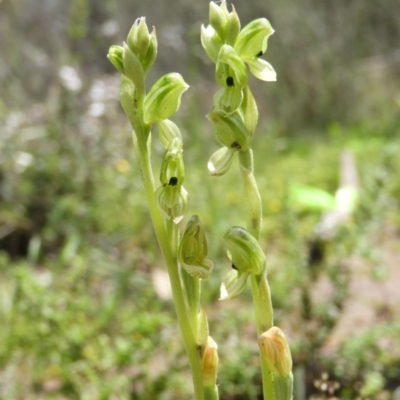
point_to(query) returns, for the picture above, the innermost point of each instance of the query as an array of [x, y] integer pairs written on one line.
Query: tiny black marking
[[233, 266], [173, 181], [230, 81], [236, 145], [259, 54]]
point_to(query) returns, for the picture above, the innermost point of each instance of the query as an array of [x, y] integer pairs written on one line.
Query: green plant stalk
[[251, 193], [193, 291], [143, 154], [192, 286], [211, 393], [173, 235], [253, 202], [267, 377]]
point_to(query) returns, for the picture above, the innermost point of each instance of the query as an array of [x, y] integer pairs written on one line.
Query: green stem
[[262, 326], [211, 393], [251, 193], [173, 235], [143, 155], [192, 287], [254, 209]]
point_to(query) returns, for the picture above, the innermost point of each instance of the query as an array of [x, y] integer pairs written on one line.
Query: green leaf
[[311, 198]]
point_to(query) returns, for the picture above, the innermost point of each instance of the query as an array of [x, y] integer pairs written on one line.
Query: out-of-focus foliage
[[84, 306], [330, 56]]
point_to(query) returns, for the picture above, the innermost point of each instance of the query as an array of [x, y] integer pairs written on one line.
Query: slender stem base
[[262, 301], [262, 326], [143, 156]]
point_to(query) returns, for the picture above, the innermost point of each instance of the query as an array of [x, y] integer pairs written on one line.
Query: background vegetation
[[84, 303]]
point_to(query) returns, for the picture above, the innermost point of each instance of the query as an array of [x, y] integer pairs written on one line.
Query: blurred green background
[[85, 310]]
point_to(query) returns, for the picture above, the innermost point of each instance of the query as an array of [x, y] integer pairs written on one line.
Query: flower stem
[[192, 287], [267, 377], [143, 155], [211, 393], [264, 320]]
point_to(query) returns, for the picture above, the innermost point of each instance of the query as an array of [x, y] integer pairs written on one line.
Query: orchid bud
[[228, 99], [133, 69], [210, 363], [246, 254], [233, 284], [193, 250], [142, 43], [172, 168], [151, 55], [275, 349], [115, 55], [211, 42], [168, 130], [220, 161], [224, 8], [230, 130], [138, 37], [230, 69], [218, 19], [232, 27], [252, 39], [164, 98]]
